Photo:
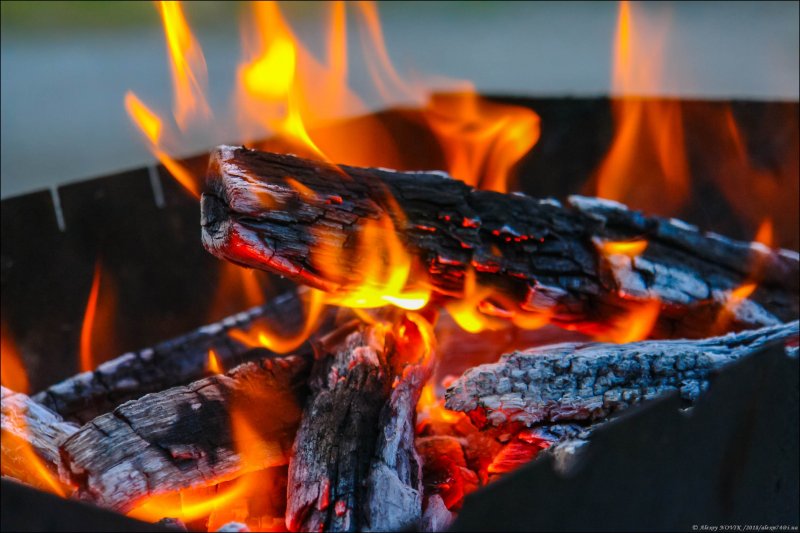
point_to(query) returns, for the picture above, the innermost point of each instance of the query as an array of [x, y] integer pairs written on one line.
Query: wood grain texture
[[281, 213], [177, 361], [590, 381], [25, 423], [354, 466], [183, 436]]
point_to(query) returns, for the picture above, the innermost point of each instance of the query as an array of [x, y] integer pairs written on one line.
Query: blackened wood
[[26, 423], [393, 495], [584, 382], [353, 465], [182, 437], [275, 212], [173, 362]]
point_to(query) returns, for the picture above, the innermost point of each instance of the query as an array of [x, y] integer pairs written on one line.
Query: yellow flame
[[272, 74], [629, 248], [466, 309], [430, 408], [214, 365], [385, 269], [187, 64], [268, 86], [256, 452]]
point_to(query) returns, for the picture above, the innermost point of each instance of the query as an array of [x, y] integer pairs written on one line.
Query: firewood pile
[[382, 420]]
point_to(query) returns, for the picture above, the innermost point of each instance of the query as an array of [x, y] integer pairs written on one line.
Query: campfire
[[394, 327]]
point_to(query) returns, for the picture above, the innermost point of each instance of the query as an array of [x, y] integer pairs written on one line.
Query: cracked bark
[[294, 216], [26, 423], [586, 381], [183, 437], [353, 465], [173, 362]]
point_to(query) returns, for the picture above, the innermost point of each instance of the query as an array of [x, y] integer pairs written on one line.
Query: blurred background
[[67, 65]]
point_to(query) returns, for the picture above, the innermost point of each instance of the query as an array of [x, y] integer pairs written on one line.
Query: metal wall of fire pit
[[145, 231]]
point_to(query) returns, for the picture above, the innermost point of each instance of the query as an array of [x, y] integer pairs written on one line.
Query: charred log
[[183, 437], [298, 217], [354, 466], [26, 424], [587, 382], [178, 361]]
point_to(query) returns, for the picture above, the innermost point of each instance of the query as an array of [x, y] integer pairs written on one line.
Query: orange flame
[[635, 324], [386, 269], [258, 452], [629, 248], [482, 140], [187, 64], [481, 308], [268, 87], [757, 189], [97, 336], [431, 408], [194, 504], [86, 357], [150, 125], [265, 337], [12, 370], [646, 166], [214, 365], [763, 237], [19, 458], [465, 310]]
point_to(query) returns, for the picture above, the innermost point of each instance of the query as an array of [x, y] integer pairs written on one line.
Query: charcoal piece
[[590, 381], [173, 362], [354, 466], [25, 423], [183, 437], [304, 219]]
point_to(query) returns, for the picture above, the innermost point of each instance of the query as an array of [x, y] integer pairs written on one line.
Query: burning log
[[354, 466], [29, 427], [183, 436], [304, 219], [586, 382], [178, 361]]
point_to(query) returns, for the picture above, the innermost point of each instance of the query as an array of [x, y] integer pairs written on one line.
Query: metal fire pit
[[732, 460]]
